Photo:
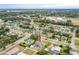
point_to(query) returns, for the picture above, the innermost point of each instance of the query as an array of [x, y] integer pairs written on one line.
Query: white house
[[56, 49]]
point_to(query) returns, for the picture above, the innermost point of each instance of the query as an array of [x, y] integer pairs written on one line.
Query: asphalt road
[[72, 45], [73, 38]]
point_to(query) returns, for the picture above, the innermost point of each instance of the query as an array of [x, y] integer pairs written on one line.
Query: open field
[[75, 21]]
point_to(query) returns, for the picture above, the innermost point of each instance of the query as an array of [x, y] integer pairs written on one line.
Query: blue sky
[[36, 6]]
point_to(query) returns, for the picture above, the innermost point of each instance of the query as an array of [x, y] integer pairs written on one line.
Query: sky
[[37, 4]]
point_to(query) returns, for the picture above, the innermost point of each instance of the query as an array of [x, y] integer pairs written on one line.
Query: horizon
[[37, 6]]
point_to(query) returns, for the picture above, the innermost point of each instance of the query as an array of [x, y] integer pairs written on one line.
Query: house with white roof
[[56, 49]]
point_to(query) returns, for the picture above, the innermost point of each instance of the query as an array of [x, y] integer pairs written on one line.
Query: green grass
[[77, 42]]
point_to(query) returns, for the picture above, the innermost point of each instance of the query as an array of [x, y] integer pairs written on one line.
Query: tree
[[34, 37], [69, 22], [77, 33], [65, 50], [43, 52]]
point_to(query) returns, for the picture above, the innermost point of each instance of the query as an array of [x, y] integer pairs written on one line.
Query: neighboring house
[[29, 41], [64, 37], [13, 51], [38, 45], [58, 36], [55, 49], [41, 38], [50, 34]]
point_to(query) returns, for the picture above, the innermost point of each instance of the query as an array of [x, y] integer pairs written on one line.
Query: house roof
[[56, 48]]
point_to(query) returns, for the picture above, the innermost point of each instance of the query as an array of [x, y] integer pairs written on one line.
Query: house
[[49, 34], [41, 38], [38, 44], [56, 49], [13, 51], [58, 36], [29, 41], [65, 38]]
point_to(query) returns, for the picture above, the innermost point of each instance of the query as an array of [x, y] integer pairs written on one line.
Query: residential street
[[14, 44], [73, 39], [72, 45]]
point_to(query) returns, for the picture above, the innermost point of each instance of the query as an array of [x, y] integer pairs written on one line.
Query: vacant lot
[[75, 21]]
